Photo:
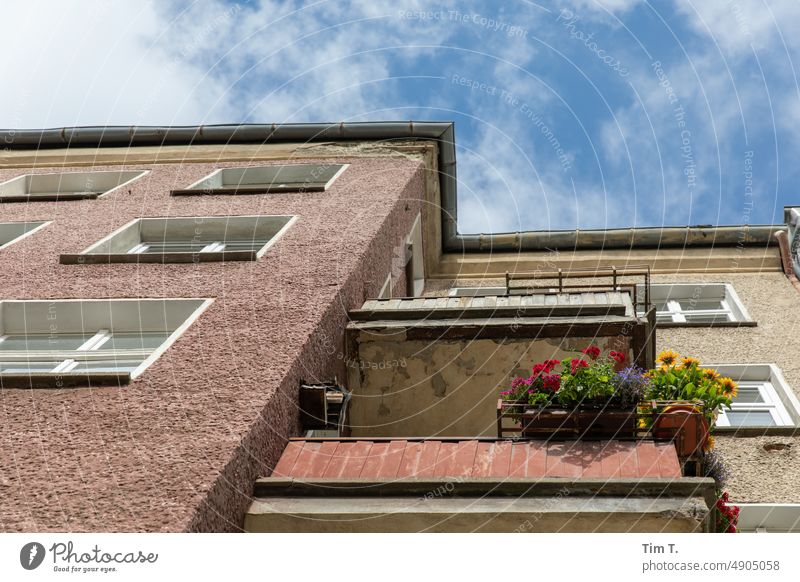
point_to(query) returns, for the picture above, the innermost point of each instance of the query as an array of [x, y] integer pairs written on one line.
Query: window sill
[[101, 258], [51, 197], [756, 431], [63, 379], [696, 324], [246, 190]]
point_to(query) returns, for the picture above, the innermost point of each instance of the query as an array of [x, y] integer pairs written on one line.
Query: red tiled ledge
[[386, 459]]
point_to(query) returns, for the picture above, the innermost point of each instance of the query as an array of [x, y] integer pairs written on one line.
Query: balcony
[[434, 365], [426, 445], [485, 485]]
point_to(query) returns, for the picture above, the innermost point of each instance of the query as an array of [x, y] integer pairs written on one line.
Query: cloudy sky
[[579, 113]]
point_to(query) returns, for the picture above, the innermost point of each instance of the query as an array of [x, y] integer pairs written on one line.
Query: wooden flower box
[[680, 422], [585, 422]]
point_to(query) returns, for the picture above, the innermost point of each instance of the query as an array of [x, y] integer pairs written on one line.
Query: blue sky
[[581, 113]]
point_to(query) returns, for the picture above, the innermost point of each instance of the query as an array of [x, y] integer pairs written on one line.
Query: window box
[[65, 185], [677, 421], [266, 180], [72, 342], [186, 240], [584, 422]]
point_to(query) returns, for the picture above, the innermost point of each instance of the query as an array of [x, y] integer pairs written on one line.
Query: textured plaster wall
[[180, 447], [757, 475], [449, 387]]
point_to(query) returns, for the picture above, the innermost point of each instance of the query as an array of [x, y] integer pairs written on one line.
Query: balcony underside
[[460, 485]]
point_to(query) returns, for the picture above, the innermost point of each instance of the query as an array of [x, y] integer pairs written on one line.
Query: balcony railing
[[576, 281]]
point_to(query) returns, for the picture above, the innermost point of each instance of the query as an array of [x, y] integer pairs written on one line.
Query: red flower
[[552, 382], [538, 369], [725, 496], [618, 357], [577, 364], [731, 529], [592, 351], [550, 364]]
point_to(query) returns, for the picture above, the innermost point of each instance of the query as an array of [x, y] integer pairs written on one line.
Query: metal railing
[[560, 282]]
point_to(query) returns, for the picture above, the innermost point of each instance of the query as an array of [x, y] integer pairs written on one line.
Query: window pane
[[182, 247], [111, 366], [700, 304], [44, 342], [748, 395], [706, 318], [663, 318], [26, 367], [135, 341], [749, 418], [244, 245]]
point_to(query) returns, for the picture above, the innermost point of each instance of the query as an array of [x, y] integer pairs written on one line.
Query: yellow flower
[[667, 357], [710, 374], [729, 387], [688, 361], [709, 444]]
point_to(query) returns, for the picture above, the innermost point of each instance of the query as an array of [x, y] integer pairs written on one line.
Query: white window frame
[[778, 398], [32, 197], [477, 292], [65, 361], [41, 224], [386, 289], [205, 183], [210, 246], [417, 266], [673, 294], [769, 517]]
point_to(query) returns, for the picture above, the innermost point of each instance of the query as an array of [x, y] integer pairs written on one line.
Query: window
[[769, 517], [477, 291], [185, 240], [386, 289], [65, 185], [700, 304], [99, 341], [414, 267], [266, 179], [11, 232], [763, 401]]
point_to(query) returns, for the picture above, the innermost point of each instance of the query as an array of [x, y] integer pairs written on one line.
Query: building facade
[[179, 304]]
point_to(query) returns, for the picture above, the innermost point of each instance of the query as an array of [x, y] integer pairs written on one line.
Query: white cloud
[[616, 6], [736, 25], [73, 64]]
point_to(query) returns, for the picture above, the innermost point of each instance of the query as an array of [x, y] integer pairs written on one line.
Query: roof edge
[[443, 132]]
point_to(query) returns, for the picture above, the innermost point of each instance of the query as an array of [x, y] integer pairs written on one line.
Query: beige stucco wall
[[446, 387], [757, 474]]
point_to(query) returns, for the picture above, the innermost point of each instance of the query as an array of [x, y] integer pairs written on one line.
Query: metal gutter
[[441, 132], [790, 243]]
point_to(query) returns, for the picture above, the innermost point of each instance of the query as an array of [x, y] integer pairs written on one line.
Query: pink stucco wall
[[179, 448]]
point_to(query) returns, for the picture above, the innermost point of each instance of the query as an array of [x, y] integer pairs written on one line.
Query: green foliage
[[590, 384]]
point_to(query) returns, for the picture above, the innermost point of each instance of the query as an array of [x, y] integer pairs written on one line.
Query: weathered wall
[[757, 474], [180, 447], [524, 514], [447, 387]]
